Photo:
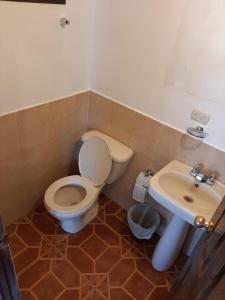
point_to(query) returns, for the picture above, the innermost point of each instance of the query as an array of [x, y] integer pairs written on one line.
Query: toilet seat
[[75, 180], [95, 164]]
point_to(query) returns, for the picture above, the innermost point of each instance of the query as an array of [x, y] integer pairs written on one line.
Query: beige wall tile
[[16, 204], [11, 174], [146, 134], [154, 144], [100, 113], [8, 136], [122, 124], [121, 191], [33, 126], [35, 161], [79, 118], [60, 115], [62, 152], [47, 135], [49, 151]]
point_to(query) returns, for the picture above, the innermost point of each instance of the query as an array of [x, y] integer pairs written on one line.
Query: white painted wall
[[40, 61], [163, 58]]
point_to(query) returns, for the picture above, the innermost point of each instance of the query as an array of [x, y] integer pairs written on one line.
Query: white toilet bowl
[[73, 199], [69, 199]]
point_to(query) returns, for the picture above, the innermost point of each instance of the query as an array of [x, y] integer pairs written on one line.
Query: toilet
[[73, 200]]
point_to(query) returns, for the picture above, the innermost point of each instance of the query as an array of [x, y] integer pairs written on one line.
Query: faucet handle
[[195, 170], [197, 167], [211, 178]]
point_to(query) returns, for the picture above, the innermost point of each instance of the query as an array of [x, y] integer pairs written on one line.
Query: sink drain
[[188, 199]]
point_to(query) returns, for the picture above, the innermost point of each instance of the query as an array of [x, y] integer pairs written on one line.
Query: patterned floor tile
[[120, 294], [138, 286], [16, 245], [94, 246], [107, 260], [48, 288], [145, 268], [121, 272], [159, 293], [80, 260], [28, 234], [107, 234], [101, 262]]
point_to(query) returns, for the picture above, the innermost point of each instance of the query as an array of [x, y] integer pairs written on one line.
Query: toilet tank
[[120, 153]]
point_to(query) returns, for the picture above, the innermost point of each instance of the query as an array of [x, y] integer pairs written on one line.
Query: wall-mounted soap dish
[[197, 132]]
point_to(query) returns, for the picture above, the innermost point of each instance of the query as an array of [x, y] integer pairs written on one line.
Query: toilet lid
[[95, 161]]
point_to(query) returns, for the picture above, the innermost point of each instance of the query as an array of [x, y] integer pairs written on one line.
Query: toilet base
[[77, 223]]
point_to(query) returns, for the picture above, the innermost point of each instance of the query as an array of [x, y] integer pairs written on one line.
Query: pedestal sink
[[180, 193]]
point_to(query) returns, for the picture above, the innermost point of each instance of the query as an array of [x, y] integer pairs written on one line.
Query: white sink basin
[[179, 192]]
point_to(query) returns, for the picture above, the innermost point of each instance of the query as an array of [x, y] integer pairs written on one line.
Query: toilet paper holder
[[149, 172], [141, 185]]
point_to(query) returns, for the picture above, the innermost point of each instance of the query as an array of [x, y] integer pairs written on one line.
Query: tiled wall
[[37, 147], [154, 144]]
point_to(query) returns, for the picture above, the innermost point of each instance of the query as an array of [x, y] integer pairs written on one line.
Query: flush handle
[[200, 222]]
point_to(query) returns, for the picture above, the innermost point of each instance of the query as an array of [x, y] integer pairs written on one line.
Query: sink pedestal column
[[170, 244]]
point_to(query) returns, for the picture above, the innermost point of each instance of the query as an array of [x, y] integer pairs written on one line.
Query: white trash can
[[143, 220]]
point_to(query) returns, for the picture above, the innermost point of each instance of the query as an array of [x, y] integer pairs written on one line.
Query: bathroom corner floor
[[103, 261]]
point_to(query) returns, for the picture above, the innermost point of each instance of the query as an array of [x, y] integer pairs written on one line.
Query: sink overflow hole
[[188, 199]]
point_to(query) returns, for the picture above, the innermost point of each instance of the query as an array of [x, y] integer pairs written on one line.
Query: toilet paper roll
[[139, 192], [143, 179]]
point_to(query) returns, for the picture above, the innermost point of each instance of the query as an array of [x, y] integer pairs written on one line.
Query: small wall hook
[[64, 21]]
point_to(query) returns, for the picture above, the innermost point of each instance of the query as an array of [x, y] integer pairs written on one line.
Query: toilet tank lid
[[119, 152]]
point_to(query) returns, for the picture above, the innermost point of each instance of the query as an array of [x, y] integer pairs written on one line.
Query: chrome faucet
[[201, 176]]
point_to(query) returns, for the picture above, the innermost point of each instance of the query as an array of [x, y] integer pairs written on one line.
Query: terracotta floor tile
[[98, 282], [44, 224], [48, 250], [40, 209], [107, 234], [69, 295], [153, 241], [111, 208], [119, 294], [160, 293], [100, 217], [94, 246], [103, 200], [10, 229], [181, 261], [67, 274], [121, 272], [130, 250], [48, 288], [107, 260], [170, 278], [94, 295], [16, 245], [78, 238], [34, 273], [86, 287], [26, 295], [138, 286], [30, 236], [122, 214], [149, 251], [80, 260], [103, 261], [23, 220], [25, 258], [118, 225], [144, 266], [59, 242]]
